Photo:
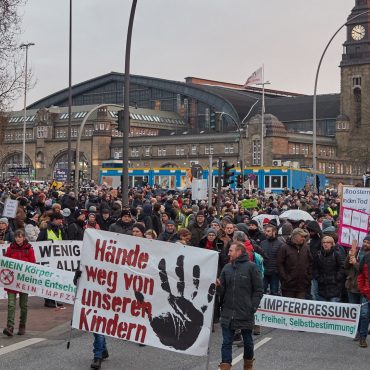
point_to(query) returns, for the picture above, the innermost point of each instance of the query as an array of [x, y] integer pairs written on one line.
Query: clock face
[[358, 32]]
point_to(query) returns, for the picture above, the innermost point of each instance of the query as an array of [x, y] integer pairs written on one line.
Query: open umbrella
[[296, 215]]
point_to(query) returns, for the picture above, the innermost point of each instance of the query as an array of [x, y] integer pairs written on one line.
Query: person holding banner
[[19, 250], [241, 290], [363, 281]]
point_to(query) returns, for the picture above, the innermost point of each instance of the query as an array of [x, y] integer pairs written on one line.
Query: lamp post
[[239, 125], [69, 94], [126, 112], [25, 46], [314, 130]]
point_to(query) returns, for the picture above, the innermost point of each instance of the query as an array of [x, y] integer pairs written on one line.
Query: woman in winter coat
[[19, 250], [31, 228], [328, 269]]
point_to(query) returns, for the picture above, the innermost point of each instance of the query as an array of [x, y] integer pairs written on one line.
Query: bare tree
[[11, 60]]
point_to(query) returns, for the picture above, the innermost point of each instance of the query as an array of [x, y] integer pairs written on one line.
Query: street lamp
[[314, 130], [26, 46], [69, 95], [239, 125], [126, 112]]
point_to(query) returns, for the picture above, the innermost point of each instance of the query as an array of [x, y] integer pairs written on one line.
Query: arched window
[[12, 163], [357, 105], [61, 163]]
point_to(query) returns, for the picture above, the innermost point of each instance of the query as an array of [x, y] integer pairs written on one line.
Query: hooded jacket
[[241, 291], [295, 267], [315, 242]]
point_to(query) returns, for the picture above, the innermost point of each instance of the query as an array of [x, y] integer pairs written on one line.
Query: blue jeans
[[99, 345], [272, 281], [333, 299], [226, 349], [364, 317], [314, 290], [363, 324]]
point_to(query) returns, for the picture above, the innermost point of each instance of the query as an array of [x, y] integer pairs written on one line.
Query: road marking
[[258, 345], [20, 345]]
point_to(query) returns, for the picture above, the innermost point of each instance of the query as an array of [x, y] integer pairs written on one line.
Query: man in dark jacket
[[295, 265], [76, 226], [169, 234], [124, 225], [255, 233], [198, 229], [315, 245], [271, 247], [104, 219], [241, 290]]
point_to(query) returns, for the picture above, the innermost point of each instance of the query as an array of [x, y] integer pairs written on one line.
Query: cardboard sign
[[249, 203], [353, 226], [356, 198], [146, 291], [10, 208]]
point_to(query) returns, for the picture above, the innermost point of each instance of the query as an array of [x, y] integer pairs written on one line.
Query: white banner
[[356, 198], [312, 316], [37, 280], [60, 254], [146, 291]]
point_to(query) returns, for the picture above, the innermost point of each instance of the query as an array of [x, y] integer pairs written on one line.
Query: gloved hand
[[77, 276]]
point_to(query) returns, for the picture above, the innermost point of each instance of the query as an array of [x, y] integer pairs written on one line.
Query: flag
[[255, 78]]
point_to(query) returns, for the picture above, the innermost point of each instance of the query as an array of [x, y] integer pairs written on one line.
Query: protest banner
[[249, 203], [58, 254], [312, 316], [10, 208], [146, 291], [356, 198], [37, 280], [353, 226]]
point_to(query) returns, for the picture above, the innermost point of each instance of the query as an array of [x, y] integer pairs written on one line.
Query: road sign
[[60, 174], [20, 171]]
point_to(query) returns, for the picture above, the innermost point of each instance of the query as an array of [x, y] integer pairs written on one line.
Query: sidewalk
[[40, 320]]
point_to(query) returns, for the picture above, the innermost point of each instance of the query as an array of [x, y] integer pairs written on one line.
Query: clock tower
[[353, 124]]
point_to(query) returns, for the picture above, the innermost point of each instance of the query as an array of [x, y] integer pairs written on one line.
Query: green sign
[[249, 203]]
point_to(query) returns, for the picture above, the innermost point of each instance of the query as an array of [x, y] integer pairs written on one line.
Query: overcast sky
[[224, 40]]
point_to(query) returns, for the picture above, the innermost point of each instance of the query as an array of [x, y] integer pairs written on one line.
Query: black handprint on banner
[[180, 329]]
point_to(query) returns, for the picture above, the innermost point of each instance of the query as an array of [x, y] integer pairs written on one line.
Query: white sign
[[146, 291], [37, 280], [356, 198], [59, 254], [199, 189], [10, 208], [312, 316]]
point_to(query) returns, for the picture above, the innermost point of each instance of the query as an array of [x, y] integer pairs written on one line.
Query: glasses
[[213, 235]]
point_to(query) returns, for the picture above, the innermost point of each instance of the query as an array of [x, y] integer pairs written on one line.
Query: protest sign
[[58, 254], [249, 203], [37, 280], [312, 316], [353, 226], [356, 198], [146, 291], [10, 208]]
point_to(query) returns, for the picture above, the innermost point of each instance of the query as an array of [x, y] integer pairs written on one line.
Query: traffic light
[[120, 120], [212, 120], [72, 176], [228, 174], [239, 181], [317, 182]]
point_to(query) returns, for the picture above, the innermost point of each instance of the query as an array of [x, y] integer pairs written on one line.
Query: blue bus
[[273, 179]]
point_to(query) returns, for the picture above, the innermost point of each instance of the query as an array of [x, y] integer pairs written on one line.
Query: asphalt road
[[277, 350]]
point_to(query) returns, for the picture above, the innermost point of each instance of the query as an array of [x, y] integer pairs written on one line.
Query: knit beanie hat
[[139, 226]]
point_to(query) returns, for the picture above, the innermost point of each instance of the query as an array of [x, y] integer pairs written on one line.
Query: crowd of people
[[297, 258]]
